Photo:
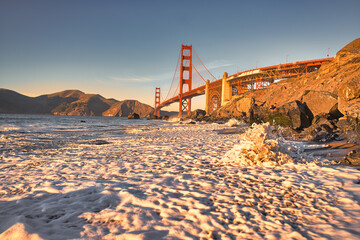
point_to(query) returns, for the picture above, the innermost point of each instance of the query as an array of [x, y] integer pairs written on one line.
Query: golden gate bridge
[[192, 78]]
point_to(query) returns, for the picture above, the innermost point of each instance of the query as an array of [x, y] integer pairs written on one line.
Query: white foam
[[177, 181]]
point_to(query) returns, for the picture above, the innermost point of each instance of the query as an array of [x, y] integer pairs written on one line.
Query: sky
[[124, 49]]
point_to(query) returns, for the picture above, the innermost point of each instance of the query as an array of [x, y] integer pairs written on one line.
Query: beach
[[175, 181]]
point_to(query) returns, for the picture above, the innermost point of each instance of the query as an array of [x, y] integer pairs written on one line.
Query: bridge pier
[[185, 79], [207, 96], [225, 90], [157, 102]]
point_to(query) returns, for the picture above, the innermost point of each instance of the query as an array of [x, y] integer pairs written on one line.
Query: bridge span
[[219, 91]]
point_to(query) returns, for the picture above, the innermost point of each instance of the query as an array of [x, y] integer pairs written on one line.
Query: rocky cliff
[[70, 102]]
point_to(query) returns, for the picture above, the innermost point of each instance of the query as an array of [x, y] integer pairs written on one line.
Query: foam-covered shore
[[177, 182]]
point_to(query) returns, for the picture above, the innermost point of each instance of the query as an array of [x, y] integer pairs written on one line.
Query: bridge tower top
[[185, 79]]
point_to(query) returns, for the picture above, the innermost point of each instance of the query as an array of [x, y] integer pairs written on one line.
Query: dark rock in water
[[322, 129], [134, 116], [198, 115], [165, 118], [154, 117], [82, 121], [353, 158], [349, 129], [99, 142]]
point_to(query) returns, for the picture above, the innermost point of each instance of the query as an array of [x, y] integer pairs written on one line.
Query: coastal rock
[[353, 158], [322, 129], [243, 107], [197, 115], [154, 117], [321, 102], [349, 98], [134, 116], [349, 129], [293, 114], [99, 142], [239, 108]]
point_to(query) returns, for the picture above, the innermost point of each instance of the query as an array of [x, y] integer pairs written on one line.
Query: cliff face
[[70, 102]]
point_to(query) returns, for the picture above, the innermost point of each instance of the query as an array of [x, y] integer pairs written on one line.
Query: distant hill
[[70, 102]]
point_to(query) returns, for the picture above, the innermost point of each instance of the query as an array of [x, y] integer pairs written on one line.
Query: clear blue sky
[[124, 49]]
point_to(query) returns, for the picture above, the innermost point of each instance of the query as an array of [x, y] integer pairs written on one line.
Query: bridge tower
[[157, 102], [185, 79]]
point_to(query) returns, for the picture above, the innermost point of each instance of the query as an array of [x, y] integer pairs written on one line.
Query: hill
[[70, 102], [323, 101]]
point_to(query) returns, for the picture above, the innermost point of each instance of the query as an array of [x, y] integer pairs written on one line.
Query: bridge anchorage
[[219, 91]]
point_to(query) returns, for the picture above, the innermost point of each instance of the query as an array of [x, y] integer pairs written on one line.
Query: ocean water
[[28, 132]]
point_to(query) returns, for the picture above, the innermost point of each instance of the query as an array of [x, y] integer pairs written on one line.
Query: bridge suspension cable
[[199, 74], [173, 80], [204, 65]]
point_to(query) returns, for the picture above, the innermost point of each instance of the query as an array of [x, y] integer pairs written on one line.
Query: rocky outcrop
[[134, 116], [239, 108], [320, 102], [198, 115], [293, 114], [322, 129], [70, 102]]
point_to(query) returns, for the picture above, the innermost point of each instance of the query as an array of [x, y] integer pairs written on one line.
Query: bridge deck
[[265, 74]]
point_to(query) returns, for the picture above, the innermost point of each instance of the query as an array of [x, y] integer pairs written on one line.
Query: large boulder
[[197, 115], [293, 114], [239, 107], [322, 129], [243, 107], [321, 102], [349, 129]]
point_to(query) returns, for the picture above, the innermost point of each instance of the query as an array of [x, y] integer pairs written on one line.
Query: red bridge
[[191, 75]]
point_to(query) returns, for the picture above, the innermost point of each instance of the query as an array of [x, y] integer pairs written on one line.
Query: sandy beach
[[180, 181]]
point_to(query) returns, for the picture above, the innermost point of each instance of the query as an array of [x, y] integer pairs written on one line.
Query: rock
[[322, 129], [154, 117], [352, 158], [99, 142], [349, 98], [349, 129], [239, 108], [299, 114], [198, 115], [293, 114], [134, 116], [243, 107], [165, 117], [321, 102]]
